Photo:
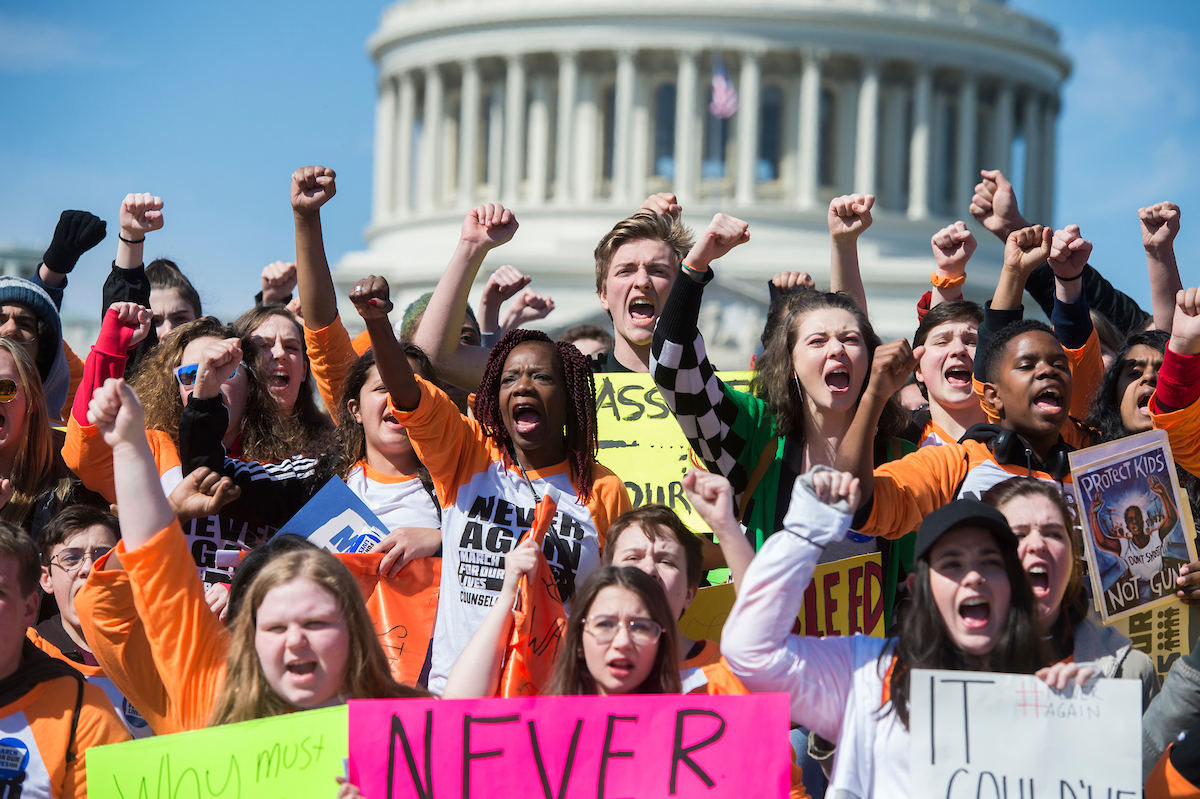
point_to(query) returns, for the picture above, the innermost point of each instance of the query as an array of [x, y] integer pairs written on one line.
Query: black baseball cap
[[963, 513]]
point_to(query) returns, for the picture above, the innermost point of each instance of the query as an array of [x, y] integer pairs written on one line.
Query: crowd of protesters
[[144, 589]]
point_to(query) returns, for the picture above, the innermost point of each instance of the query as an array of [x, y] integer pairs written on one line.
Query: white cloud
[[29, 45]]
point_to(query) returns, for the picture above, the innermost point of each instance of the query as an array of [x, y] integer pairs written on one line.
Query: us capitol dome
[[571, 113]]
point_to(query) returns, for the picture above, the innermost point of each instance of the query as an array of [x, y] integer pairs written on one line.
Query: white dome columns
[[588, 127]]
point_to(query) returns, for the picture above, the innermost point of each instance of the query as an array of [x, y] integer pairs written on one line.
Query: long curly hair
[[921, 640], [37, 466], [774, 381], [580, 435], [264, 435], [245, 693], [571, 675], [317, 428]]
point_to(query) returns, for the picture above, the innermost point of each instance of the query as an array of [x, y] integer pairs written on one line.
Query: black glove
[[77, 232]]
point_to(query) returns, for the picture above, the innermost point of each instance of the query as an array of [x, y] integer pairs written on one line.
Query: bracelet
[[1057, 276], [131, 241], [946, 282], [691, 270]]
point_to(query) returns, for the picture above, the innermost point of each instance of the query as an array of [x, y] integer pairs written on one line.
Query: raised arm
[[1024, 250], [117, 412], [1099, 534], [278, 281], [953, 247], [849, 216], [76, 233], [370, 297], [476, 673], [890, 368], [312, 187], [1160, 225], [484, 228], [501, 286], [712, 497]]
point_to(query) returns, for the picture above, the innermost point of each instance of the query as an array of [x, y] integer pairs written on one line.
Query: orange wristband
[[946, 282]]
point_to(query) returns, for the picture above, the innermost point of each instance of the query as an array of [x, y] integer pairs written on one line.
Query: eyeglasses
[[643, 632], [71, 560], [8, 390], [186, 374]]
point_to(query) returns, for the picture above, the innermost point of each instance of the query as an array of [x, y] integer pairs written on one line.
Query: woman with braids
[[179, 373], [971, 610], [535, 436]]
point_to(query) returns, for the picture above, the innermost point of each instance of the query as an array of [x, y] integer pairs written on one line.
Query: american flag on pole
[[724, 96]]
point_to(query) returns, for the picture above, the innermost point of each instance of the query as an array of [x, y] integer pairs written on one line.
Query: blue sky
[[212, 105]]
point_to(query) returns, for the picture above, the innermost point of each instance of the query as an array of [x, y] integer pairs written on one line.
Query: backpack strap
[[760, 471]]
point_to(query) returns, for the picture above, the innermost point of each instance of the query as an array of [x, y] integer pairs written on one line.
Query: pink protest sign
[[568, 747]]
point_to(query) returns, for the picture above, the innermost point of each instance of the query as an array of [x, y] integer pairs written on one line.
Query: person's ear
[[603, 295], [690, 597], [909, 582], [352, 406], [44, 581], [31, 608], [991, 399]]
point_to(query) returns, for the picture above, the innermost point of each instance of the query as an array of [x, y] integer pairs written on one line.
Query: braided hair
[[581, 437]]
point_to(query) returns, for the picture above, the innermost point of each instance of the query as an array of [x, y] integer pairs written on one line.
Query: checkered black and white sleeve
[[690, 387]]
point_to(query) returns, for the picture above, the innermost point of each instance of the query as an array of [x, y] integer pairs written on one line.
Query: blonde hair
[[247, 695], [643, 225], [36, 467]]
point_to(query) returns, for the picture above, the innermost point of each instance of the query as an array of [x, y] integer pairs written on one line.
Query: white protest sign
[[978, 734]]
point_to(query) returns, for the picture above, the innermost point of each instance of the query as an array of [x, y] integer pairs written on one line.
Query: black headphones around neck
[[1011, 448]]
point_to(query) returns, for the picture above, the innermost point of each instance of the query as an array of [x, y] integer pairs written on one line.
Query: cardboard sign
[[572, 746], [298, 756], [337, 521], [1134, 520], [845, 597], [1164, 633], [642, 443], [982, 734]]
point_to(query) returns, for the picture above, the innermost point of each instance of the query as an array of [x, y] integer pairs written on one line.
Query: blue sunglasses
[[186, 375]]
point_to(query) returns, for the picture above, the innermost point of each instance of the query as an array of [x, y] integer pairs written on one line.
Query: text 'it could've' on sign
[[984, 734]]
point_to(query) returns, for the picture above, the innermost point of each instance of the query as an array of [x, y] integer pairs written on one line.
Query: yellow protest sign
[[845, 597], [642, 443], [297, 755], [1163, 633]]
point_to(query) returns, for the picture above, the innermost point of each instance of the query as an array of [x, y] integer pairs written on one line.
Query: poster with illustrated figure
[[1134, 520]]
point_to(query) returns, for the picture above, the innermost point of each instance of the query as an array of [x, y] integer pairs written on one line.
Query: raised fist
[[529, 306], [664, 204], [140, 214], [1069, 252], [850, 215], [1027, 249], [891, 366], [312, 187], [1185, 327], [723, 233], [488, 226], [135, 321], [502, 285], [712, 497], [790, 281], [117, 412], [218, 362], [370, 298], [832, 487], [1160, 225], [278, 281], [76, 233], [995, 204], [953, 246]]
